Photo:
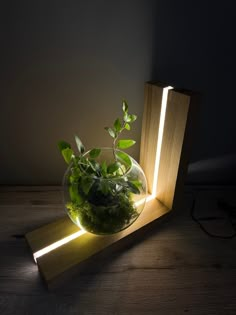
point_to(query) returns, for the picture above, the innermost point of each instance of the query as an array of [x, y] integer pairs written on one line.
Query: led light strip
[[159, 140], [57, 244], [81, 232]]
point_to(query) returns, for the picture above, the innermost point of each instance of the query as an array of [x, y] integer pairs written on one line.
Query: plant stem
[[114, 143], [114, 148]]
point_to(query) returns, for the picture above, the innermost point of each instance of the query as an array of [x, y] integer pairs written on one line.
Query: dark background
[[66, 65]]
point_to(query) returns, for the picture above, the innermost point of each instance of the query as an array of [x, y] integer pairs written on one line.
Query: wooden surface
[[174, 269], [75, 252], [176, 115], [150, 126], [173, 137]]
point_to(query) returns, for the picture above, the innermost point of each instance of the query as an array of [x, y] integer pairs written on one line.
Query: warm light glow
[[150, 197], [141, 201], [81, 232], [73, 236], [57, 244], [159, 139]]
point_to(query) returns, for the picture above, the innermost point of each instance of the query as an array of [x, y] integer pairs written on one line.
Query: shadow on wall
[[218, 171], [193, 49]]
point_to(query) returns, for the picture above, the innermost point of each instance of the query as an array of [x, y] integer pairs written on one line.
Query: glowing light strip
[[57, 244], [159, 139]]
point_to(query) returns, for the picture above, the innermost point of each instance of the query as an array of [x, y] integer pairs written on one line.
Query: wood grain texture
[[60, 260], [150, 125], [172, 150], [50, 233], [175, 269]]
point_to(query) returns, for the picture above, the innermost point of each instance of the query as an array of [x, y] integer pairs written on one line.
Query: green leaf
[[74, 194], [127, 126], [104, 168], [124, 158], [94, 153], [79, 144], [83, 163], [75, 175], [124, 106], [133, 118], [111, 132], [113, 167], [125, 144], [104, 186], [62, 145], [137, 183], [67, 154], [86, 183], [127, 117], [94, 165], [117, 125], [134, 189]]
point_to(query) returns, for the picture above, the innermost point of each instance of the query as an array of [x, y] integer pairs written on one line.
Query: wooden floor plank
[[174, 269]]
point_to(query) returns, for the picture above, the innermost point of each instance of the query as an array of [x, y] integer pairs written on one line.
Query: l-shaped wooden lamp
[[61, 246]]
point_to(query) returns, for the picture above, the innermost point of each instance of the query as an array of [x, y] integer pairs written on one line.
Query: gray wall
[[66, 65], [195, 49]]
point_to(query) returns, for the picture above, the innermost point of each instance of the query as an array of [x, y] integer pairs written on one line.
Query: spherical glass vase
[[104, 191]]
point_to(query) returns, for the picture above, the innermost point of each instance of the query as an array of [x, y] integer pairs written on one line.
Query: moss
[[105, 219]]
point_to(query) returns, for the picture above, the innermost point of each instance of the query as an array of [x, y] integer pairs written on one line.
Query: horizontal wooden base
[[75, 252]]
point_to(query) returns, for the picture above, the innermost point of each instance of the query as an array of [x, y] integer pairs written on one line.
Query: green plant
[[100, 193]]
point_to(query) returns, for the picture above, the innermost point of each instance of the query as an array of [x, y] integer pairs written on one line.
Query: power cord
[[223, 205]]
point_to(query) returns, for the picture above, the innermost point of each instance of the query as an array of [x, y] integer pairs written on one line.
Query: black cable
[[192, 210]]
